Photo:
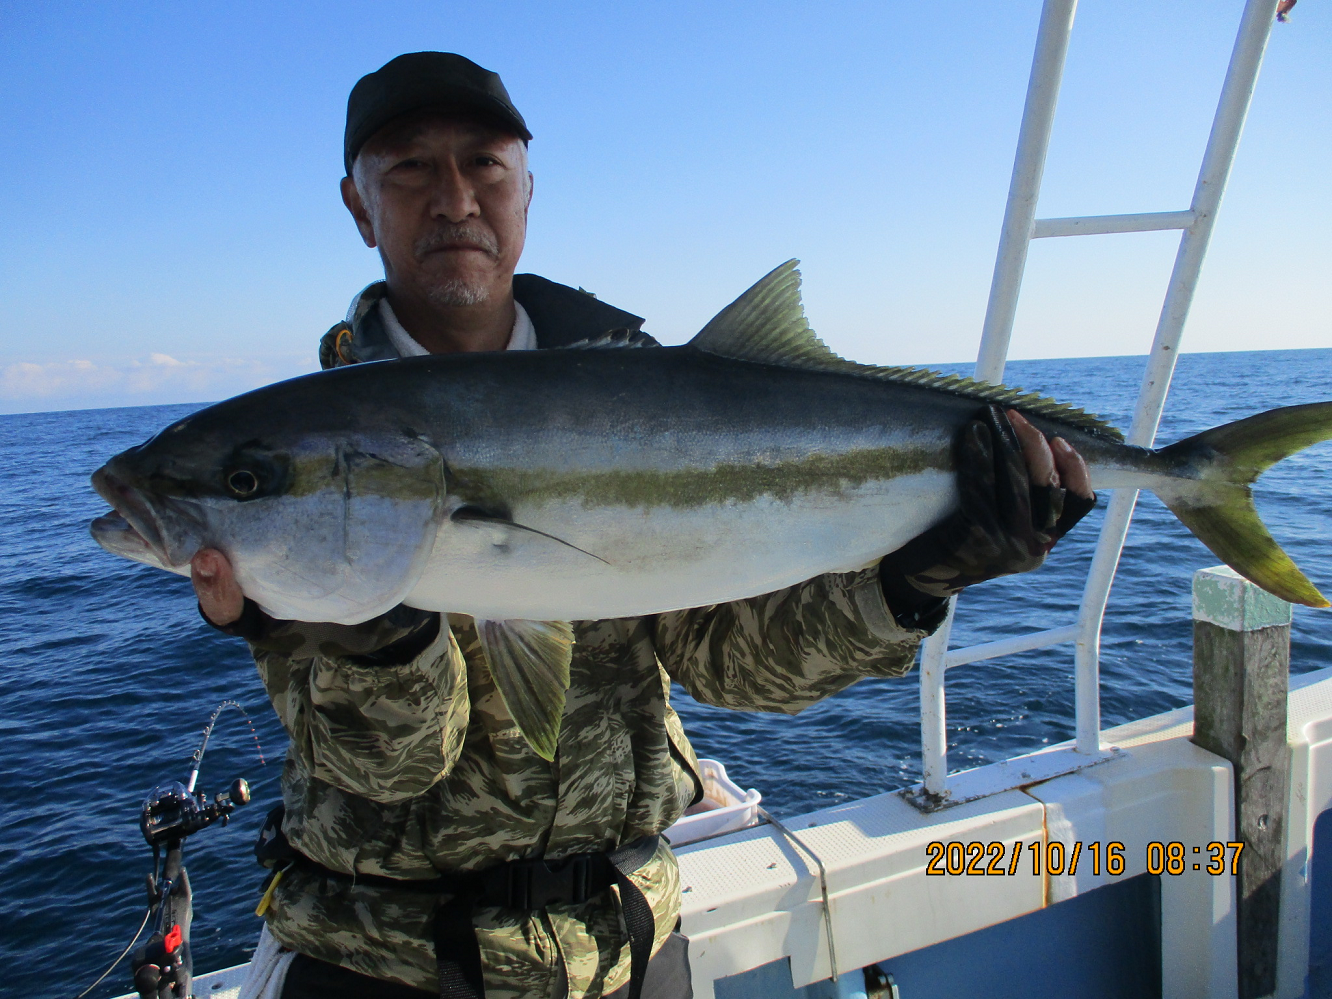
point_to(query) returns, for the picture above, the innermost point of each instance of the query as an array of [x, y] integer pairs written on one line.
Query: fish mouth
[[114, 533], [131, 507]]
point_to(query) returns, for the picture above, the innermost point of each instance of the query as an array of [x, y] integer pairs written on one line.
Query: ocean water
[[109, 675]]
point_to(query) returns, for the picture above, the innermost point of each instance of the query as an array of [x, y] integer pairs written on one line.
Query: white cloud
[[82, 383]]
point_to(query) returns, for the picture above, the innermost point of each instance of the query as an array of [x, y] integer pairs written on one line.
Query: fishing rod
[[196, 761], [162, 967]]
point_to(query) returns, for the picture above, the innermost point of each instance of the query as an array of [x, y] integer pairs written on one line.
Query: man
[[413, 805]]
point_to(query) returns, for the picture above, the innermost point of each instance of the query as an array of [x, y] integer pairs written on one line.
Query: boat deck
[[753, 901], [753, 905]]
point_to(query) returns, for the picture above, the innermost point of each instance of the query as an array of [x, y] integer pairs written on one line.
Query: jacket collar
[[561, 316]]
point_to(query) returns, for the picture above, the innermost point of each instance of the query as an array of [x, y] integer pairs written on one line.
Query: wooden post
[[1241, 668]]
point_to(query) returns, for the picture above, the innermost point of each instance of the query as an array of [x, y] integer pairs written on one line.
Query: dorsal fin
[[767, 325]]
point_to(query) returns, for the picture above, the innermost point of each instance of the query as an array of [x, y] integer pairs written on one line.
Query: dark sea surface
[[109, 675]]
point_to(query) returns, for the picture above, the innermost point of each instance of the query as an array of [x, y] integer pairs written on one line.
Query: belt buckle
[[579, 876], [541, 883]]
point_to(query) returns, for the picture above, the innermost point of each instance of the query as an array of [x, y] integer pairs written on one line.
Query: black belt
[[520, 884]]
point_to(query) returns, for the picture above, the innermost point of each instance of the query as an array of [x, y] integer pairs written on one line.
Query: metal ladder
[[1020, 227]]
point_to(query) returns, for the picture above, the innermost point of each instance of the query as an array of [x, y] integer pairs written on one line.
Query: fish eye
[[243, 483]]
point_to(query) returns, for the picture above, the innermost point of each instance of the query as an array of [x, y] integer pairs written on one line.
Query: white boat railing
[[1020, 227]]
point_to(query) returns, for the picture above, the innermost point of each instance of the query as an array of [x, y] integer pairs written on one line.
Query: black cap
[[425, 80]]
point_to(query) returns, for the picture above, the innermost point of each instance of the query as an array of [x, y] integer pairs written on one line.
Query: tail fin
[[1221, 512]]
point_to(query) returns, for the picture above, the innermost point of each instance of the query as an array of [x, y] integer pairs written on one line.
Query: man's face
[[445, 201]]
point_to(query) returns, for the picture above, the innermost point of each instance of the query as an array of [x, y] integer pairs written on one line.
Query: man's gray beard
[[456, 291]]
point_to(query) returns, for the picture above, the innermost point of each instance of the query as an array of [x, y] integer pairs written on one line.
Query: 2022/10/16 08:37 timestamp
[[1037, 858]]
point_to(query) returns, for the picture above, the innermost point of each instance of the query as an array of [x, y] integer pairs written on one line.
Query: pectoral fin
[[474, 515], [529, 662]]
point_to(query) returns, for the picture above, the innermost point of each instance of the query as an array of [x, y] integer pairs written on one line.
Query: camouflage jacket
[[408, 769]]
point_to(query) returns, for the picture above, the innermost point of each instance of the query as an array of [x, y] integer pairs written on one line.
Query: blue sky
[[172, 228]]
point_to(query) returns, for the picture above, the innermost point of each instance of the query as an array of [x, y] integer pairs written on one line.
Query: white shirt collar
[[522, 337]]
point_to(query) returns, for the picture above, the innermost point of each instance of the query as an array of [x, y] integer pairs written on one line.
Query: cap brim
[[471, 106]]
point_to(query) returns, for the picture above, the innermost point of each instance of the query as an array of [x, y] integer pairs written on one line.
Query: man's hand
[[220, 598], [391, 639], [1053, 464], [1019, 495]]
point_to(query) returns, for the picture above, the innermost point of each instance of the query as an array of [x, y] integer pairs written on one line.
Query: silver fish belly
[[658, 558]]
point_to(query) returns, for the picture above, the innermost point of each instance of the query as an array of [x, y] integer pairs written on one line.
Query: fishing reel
[[171, 811], [162, 965]]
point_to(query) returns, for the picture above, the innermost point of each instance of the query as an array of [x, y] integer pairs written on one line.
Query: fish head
[[321, 520]]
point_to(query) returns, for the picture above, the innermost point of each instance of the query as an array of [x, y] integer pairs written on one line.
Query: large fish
[[530, 489]]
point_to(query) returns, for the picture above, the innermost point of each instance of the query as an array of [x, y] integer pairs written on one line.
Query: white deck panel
[[752, 897], [1309, 730], [224, 984], [1167, 791]]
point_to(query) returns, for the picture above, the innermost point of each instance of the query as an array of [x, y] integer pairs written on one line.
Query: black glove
[[1005, 524], [394, 638]]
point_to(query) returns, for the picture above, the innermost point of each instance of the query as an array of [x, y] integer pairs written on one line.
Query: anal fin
[[529, 662]]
